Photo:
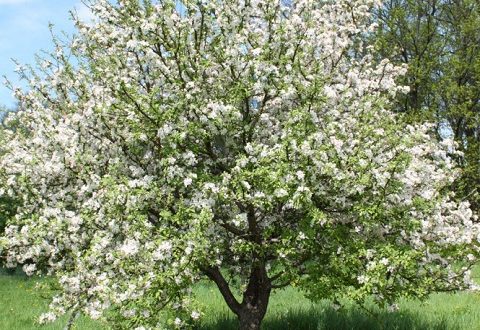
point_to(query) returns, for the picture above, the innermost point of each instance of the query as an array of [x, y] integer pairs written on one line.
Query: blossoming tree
[[226, 140]]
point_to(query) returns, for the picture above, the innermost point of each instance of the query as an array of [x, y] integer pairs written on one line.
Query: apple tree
[[249, 143]]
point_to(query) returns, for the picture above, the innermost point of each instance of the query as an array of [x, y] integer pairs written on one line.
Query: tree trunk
[[249, 321], [251, 311], [255, 299]]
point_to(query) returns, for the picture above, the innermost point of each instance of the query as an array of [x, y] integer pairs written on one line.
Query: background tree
[[459, 89], [247, 143], [440, 42]]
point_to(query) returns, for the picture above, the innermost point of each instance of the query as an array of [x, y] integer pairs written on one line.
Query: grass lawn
[[21, 303]]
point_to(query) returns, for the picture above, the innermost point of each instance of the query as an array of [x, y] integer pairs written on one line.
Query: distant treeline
[[439, 40]]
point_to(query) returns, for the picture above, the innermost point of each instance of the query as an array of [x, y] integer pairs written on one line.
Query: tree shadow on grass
[[330, 319], [11, 271]]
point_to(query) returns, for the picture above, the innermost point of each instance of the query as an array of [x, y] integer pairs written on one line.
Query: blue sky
[[24, 32]]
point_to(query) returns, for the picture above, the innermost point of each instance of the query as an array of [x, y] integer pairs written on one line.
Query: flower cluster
[[225, 134]]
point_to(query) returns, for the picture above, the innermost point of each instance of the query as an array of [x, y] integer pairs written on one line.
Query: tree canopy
[[248, 143]]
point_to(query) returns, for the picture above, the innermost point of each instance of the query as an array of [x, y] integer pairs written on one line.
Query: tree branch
[[214, 274]]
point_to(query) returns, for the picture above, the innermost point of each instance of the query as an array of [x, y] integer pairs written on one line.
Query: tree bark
[[251, 311], [249, 321], [255, 299], [251, 316]]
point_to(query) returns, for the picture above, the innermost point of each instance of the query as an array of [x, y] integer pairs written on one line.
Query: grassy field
[[21, 303]]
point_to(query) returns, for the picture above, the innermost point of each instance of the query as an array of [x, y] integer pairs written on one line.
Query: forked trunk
[[251, 311], [255, 300]]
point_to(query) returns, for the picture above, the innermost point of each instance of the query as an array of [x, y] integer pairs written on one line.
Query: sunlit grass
[[290, 310], [21, 304]]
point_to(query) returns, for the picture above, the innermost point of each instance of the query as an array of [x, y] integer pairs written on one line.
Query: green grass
[[21, 303], [290, 310]]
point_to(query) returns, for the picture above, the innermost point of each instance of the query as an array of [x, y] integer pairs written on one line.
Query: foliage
[[440, 42], [231, 141]]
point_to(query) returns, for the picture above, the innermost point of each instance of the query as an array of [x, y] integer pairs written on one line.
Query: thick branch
[[232, 229], [214, 274]]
